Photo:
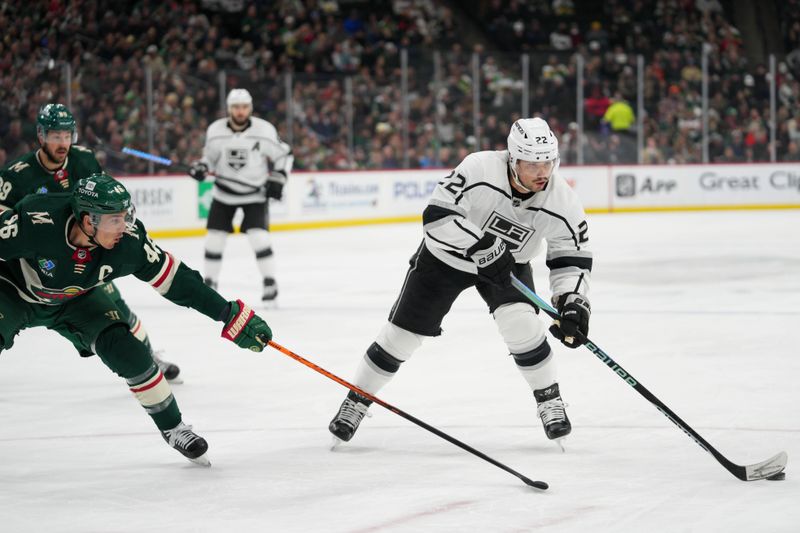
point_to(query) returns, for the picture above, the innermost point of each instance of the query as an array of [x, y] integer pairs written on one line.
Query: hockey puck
[[780, 476]]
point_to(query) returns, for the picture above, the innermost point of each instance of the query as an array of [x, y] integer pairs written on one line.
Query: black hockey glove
[[572, 328], [493, 259], [198, 170], [274, 190], [245, 328]]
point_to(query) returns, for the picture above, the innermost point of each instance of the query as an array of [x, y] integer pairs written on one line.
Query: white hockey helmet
[[239, 96], [531, 139]]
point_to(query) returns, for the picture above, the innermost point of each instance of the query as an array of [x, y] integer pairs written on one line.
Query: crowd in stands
[[346, 104]]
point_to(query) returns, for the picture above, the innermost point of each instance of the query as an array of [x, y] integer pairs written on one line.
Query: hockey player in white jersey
[[251, 165], [487, 219]]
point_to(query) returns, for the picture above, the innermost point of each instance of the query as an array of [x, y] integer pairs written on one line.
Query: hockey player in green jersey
[[59, 249], [55, 167]]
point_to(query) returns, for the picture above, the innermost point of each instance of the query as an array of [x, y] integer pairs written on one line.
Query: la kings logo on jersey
[[236, 157], [515, 234]]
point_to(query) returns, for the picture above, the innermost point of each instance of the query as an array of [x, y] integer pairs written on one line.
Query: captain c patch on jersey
[[515, 235], [236, 158]]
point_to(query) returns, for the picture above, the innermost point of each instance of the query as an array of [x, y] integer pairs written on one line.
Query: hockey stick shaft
[[745, 473], [154, 158], [536, 484]]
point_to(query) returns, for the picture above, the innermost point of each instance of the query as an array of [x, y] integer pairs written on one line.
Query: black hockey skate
[[551, 411], [351, 412], [270, 290], [186, 441], [171, 371]]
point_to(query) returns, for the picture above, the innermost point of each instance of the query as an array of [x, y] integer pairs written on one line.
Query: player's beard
[[51, 158], [238, 123]]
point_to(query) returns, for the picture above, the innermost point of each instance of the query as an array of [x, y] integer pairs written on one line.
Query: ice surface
[[702, 308]]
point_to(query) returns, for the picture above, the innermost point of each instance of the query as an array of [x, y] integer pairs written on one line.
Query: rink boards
[[176, 205]]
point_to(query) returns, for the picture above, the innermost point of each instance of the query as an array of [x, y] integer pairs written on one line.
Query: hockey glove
[[274, 190], [572, 328], [493, 259], [198, 170], [245, 328]]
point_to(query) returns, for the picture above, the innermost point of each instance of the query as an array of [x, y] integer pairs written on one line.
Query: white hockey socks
[[215, 245]]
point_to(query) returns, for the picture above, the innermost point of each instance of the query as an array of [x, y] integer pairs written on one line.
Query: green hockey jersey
[[26, 175], [45, 268]]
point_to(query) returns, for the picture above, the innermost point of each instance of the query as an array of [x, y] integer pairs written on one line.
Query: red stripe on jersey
[[164, 276], [150, 386]]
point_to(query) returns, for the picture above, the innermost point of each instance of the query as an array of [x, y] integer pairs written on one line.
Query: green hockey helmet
[[55, 117], [99, 195]]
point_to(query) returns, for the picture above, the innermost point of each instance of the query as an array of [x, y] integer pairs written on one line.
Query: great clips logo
[[627, 186]]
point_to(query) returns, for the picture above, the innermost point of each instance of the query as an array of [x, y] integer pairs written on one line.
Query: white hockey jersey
[[477, 198], [244, 160]]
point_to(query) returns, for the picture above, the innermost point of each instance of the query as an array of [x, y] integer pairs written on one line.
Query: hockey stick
[[536, 484], [155, 158], [765, 469]]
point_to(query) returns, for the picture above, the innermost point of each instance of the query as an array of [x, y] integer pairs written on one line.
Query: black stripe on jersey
[[432, 213], [482, 184], [565, 262], [232, 191], [428, 234], [465, 229], [562, 219]]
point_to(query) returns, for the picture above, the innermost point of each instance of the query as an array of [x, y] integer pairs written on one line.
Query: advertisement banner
[[705, 186], [164, 202], [317, 199]]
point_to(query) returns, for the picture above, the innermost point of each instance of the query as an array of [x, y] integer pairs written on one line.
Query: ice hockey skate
[[270, 293], [346, 422], [171, 371], [186, 441], [554, 416]]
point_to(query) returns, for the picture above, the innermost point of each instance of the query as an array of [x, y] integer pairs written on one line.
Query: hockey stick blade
[[765, 469], [761, 470], [541, 485]]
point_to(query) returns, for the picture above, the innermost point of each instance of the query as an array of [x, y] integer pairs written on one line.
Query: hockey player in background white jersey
[[251, 165], [488, 218]]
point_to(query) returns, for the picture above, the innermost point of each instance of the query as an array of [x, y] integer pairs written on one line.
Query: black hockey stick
[[536, 484], [765, 469]]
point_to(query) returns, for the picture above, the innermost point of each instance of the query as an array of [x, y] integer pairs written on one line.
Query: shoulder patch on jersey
[[132, 230], [19, 166], [39, 217]]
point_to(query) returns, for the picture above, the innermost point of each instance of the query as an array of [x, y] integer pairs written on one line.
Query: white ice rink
[[702, 308]]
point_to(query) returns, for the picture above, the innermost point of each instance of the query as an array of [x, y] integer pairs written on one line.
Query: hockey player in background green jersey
[[55, 167], [58, 250]]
